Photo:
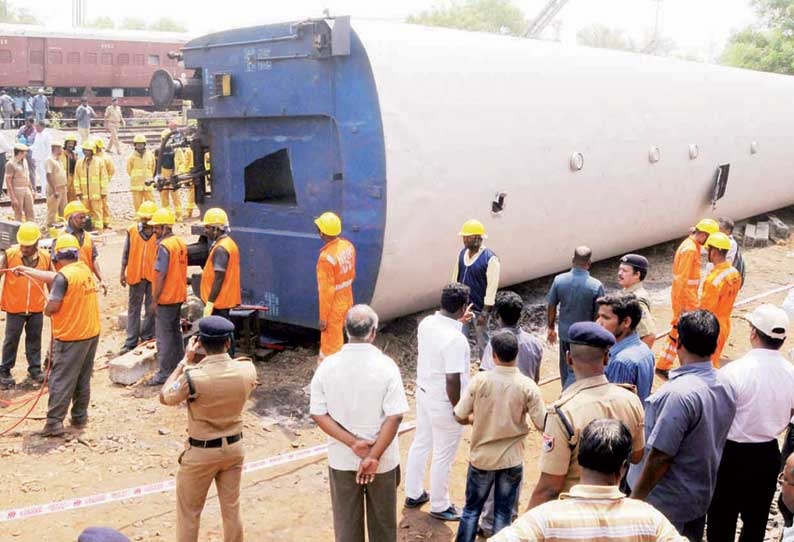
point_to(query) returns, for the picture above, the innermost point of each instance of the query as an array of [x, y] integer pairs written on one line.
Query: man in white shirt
[[763, 383], [442, 373], [358, 400], [41, 151]]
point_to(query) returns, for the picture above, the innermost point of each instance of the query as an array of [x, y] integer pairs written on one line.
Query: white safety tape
[[160, 487]]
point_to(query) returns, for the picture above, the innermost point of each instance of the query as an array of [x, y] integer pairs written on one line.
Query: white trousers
[[436, 431]]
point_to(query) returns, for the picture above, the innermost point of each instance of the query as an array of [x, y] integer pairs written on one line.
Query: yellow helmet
[[74, 207], [162, 217], [98, 143], [21, 147], [139, 138], [215, 217], [66, 241], [329, 224], [472, 227], [719, 240], [146, 210], [164, 133], [88, 145], [70, 137], [708, 225], [28, 234]]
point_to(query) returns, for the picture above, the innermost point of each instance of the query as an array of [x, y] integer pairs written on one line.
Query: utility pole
[[78, 13], [656, 26]]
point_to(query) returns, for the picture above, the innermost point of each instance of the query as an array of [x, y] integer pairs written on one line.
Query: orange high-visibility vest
[[86, 252], [175, 283], [686, 277], [230, 295], [140, 260], [336, 271], [719, 294], [23, 295], [78, 317]]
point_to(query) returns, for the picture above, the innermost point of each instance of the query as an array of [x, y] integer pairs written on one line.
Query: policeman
[[110, 170], [140, 168], [590, 397], [169, 292], [632, 270], [216, 389], [137, 272], [23, 301], [74, 308], [336, 271], [75, 215]]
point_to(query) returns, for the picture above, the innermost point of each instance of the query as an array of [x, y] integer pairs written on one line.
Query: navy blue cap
[[101, 534], [590, 334], [636, 261], [215, 327]]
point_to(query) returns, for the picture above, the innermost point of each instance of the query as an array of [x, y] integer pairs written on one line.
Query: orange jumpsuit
[[683, 294], [336, 270], [719, 293]]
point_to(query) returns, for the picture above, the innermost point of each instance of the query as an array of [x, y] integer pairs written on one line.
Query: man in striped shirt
[[595, 509]]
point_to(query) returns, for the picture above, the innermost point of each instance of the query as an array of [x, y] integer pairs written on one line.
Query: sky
[[695, 25]]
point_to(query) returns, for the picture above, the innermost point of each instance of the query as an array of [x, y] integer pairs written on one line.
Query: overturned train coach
[[408, 131]]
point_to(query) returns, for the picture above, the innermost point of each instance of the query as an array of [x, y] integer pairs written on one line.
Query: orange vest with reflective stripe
[[686, 277], [175, 283], [140, 259], [86, 252], [719, 293], [230, 295], [336, 271], [78, 317], [23, 295]]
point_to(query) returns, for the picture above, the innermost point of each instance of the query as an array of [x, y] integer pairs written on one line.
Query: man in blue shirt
[[576, 293], [630, 359], [686, 425]]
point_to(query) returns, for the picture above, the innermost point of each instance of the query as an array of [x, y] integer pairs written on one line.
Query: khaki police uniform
[[647, 325], [582, 402], [216, 389]]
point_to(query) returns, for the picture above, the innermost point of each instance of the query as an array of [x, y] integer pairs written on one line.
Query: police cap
[[636, 261], [214, 328], [101, 534], [590, 334]]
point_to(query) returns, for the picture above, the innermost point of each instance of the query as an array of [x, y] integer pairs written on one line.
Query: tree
[[133, 23], [497, 16], [103, 23], [767, 46], [13, 15], [604, 37], [167, 25]]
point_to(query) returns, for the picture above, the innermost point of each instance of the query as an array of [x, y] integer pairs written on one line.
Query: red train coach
[[96, 64]]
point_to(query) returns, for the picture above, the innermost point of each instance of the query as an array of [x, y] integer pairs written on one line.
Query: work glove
[[208, 308]]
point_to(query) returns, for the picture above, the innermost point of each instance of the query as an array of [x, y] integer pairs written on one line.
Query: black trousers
[[746, 483]]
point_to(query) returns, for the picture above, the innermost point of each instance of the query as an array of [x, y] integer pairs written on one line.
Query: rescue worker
[[114, 119], [74, 308], [167, 164], [169, 292], [632, 270], [684, 292], [110, 170], [220, 281], [75, 215], [216, 389], [336, 271], [140, 168], [56, 183], [69, 159], [720, 289], [89, 177], [23, 301], [478, 268], [589, 398], [137, 272], [183, 162], [19, 185]]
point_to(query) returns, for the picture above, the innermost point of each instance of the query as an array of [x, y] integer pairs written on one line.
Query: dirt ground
[[131, 439]]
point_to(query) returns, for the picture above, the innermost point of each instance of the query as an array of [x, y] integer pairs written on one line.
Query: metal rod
[[236, 43]]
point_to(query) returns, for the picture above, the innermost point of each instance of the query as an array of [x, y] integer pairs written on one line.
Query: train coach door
[[36, 61]]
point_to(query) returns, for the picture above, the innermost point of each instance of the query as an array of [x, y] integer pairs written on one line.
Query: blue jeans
[[478, 484]]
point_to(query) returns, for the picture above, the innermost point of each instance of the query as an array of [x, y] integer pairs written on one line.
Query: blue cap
[[215, 327], [101, 534], [590, 334], [636, 261]]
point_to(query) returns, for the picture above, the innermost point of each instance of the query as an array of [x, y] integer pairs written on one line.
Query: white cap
[[41, 91], [770, 320]]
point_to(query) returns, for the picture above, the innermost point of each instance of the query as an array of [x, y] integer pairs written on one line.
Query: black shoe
[[153, 381], [124, 350], [36, 376], [664, 373], [450, 514], [79, 423], [482, 533], [6, 380], [417, 502], [53, 430]]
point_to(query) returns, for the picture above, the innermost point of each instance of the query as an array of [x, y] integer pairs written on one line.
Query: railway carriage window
[[154, 60], [55, 57], [124, 58], [107, 59], [269, 180], [138, 60], [90, 58], [5, 56], [73, 58]]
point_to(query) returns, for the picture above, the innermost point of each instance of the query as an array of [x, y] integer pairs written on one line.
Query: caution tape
[[161, 487]]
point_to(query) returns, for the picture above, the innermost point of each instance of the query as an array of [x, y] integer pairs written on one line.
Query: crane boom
[[545, 17]]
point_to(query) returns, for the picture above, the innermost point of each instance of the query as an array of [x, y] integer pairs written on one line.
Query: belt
[[214, 443]]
